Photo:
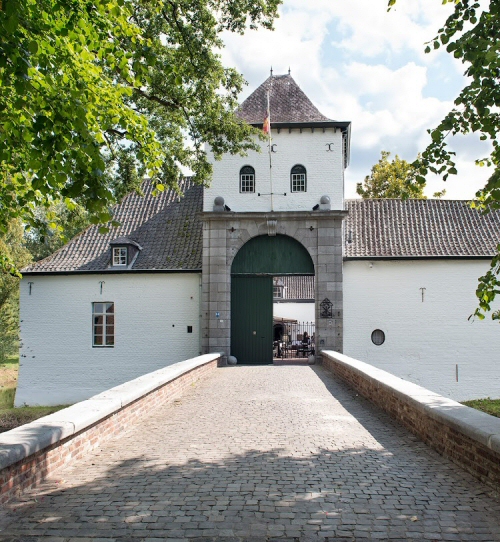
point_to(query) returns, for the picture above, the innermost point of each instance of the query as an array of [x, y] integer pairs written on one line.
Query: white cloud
[[357, 62]]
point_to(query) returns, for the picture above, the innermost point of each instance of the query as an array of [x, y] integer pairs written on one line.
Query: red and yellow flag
[[266, 127]]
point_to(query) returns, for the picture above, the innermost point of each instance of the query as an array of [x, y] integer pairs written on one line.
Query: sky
[[359, 63]]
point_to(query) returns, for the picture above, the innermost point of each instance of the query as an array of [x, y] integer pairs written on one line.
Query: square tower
[[293, 188]]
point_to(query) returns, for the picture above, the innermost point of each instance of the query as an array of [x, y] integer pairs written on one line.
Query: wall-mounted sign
[[326, 309]]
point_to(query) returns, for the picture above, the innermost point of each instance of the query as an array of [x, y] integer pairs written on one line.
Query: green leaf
[[33, 47], [12, 23]]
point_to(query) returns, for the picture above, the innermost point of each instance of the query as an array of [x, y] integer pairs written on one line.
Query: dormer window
[[247, 179], [124, 252], [298, 179], [119, 256]]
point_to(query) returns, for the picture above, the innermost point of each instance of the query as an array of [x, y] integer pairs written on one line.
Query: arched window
[[247, 179], [298, 179]]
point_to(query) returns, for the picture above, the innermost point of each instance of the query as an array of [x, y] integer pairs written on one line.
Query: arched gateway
[[277, 213], [252, 273]]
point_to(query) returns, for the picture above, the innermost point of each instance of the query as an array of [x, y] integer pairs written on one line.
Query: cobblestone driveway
[[261, 453]]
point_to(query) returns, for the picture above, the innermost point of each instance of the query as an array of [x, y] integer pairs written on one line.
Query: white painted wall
[[58, 364], [424, 340], [325, 173], [302, 312]]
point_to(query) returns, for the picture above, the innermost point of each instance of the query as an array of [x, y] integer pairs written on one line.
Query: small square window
[[119, 255], [278, 291], [103, 324]]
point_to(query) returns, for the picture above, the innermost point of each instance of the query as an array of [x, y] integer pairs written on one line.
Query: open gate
[[252, 273]]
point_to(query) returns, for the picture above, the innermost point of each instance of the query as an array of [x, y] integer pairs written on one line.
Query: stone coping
[[21, 442], [474, 424]]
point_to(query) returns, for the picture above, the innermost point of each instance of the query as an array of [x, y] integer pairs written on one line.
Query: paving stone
[[259, 454]]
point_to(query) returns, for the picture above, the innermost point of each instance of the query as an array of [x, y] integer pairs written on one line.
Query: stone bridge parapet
[[468, 437], [28, 454]]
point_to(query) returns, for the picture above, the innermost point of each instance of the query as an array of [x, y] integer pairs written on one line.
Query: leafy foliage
[[471, 35], [85, 82], [391, 179], [55, 226], [11, 244]]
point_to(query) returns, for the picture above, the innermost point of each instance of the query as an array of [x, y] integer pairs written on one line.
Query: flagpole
[[270, 150]]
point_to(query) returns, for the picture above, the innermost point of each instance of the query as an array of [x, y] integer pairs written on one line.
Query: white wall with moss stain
[[59, 365]]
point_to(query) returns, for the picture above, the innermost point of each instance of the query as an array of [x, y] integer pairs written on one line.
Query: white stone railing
[[28, 454], [468, 437]]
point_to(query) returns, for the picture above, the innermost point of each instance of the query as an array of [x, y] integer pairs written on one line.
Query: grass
[[490, 406], [11, 417]]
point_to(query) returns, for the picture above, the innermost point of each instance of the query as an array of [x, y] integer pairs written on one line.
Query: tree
[[391, 179], [471, 35], [11, 244], [83, 81], [57, 224]]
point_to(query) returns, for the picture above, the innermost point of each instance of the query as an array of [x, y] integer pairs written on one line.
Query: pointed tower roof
[[288, 103], [289, 108]]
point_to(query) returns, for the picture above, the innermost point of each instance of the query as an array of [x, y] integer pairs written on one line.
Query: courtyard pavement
[[254, 454]]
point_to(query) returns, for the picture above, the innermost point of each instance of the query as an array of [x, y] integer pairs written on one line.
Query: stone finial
[[219, 204], [324, 203]]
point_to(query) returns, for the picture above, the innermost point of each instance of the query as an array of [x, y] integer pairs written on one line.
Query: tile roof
[[288, 103], [298, 287], [166, 227], [419, 228], [169, 231]]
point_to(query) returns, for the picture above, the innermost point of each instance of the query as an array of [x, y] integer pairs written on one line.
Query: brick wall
[[30, 470], [471, 439]]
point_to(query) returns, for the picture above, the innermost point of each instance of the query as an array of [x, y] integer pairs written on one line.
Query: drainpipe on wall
[[200, 314]]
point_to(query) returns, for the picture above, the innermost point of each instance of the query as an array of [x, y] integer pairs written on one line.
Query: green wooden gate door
[[252, 319]]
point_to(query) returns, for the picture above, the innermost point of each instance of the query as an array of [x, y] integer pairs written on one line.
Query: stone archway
[[252, 273], [319, 234]]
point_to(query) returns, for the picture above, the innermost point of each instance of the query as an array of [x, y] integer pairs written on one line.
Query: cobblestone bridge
[[260, 453]]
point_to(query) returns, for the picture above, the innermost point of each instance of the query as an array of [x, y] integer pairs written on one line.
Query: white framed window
[[277, 291], [103, 324], [247, 179], [278, 287], [119, 255], [298, 179]]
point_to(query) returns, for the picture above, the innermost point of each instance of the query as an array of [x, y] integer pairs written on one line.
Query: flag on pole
[[266, 127]]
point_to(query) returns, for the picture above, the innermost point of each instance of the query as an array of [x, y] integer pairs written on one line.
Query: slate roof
[[413, 228], [288, 103], [167, 228], [296, 288]]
